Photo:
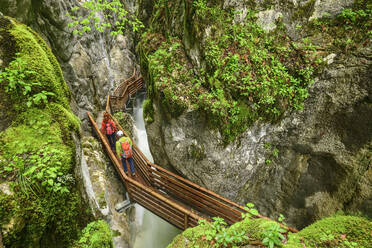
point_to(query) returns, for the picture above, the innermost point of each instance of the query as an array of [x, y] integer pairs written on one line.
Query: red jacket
[[108, 127]]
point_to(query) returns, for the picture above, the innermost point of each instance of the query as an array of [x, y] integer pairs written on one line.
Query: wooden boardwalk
[[171, 197]]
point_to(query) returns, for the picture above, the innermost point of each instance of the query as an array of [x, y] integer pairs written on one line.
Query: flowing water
[[89, 188], [153, 232]]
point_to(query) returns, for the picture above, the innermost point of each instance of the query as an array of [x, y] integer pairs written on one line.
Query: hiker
[[124, 151], [108, 127]]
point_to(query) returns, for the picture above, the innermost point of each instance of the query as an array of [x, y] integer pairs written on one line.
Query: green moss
[[305, 11], [196, 152], [254, 228], [191, 237], [96, 234], [148, 111], [7, 42], [329, 232], [126, 122], [7, 208], [247, 75], [40, 59], [338, 231], [38, 156], [196, 236], [173, 92]]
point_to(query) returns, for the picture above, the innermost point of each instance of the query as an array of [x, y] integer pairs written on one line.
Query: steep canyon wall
[[92, 65], [307, 164]]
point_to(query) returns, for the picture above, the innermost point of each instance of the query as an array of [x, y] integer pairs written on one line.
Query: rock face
[[312, 163], [104, 190], [92, 64]]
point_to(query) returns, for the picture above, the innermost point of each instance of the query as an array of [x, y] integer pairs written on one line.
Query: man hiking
[[124, 151]]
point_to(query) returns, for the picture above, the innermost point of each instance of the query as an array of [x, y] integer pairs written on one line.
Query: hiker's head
[[119, 134], [106, 116]]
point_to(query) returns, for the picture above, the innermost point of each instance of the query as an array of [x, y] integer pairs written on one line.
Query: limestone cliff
[[92, 64], [304, 161]]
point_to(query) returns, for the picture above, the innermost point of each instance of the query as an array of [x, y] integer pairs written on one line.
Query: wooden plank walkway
[[171, 197]]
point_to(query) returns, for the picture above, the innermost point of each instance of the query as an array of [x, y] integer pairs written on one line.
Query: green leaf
[[30, 171], [250, 205], [253, 212]]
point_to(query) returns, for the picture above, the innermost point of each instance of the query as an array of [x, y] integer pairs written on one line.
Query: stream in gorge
[[152, 231]]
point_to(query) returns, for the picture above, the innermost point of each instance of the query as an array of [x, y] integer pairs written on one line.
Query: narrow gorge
[[266, 103]]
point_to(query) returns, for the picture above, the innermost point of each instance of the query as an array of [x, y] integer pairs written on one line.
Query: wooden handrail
[[118, 88], [130, 184], [154, 166], [153, 170], [192, 188], [108, 109], [155, 177], [123, 91]]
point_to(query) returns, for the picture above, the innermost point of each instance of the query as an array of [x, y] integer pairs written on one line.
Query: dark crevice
[[8, 45]]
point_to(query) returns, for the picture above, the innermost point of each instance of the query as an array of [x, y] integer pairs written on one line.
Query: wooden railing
[[173, 198], [122, 93], [155, 201], [185, 191]]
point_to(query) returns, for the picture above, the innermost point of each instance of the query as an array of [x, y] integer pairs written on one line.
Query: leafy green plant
[[201, 7], [18, 81], [273, 235], [249, 75], [17, 78], [96, 234], [276, 152], [38, 98], [251, 211], [101, 14], [218, 233], [41, 169]]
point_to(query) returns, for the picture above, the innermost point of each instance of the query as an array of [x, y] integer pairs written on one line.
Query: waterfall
[[153, 232], [89, 188]]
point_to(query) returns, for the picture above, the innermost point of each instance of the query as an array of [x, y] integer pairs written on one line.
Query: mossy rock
[[196, 236], [38, 151], [126, 122], [96, 234], [335, 231], [148, 111]]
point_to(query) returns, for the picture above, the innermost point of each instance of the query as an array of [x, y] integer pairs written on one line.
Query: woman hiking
[[108, 128]]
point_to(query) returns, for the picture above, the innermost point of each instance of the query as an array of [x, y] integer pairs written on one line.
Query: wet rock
[[104, 189]]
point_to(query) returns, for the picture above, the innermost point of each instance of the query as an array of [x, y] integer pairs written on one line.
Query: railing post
[[186, 221]]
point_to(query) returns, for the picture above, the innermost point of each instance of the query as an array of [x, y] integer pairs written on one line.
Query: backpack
[[109, 128], [127, 150]]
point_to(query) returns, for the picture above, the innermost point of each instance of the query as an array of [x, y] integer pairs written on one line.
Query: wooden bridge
[[122, 93], [171, 197]]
